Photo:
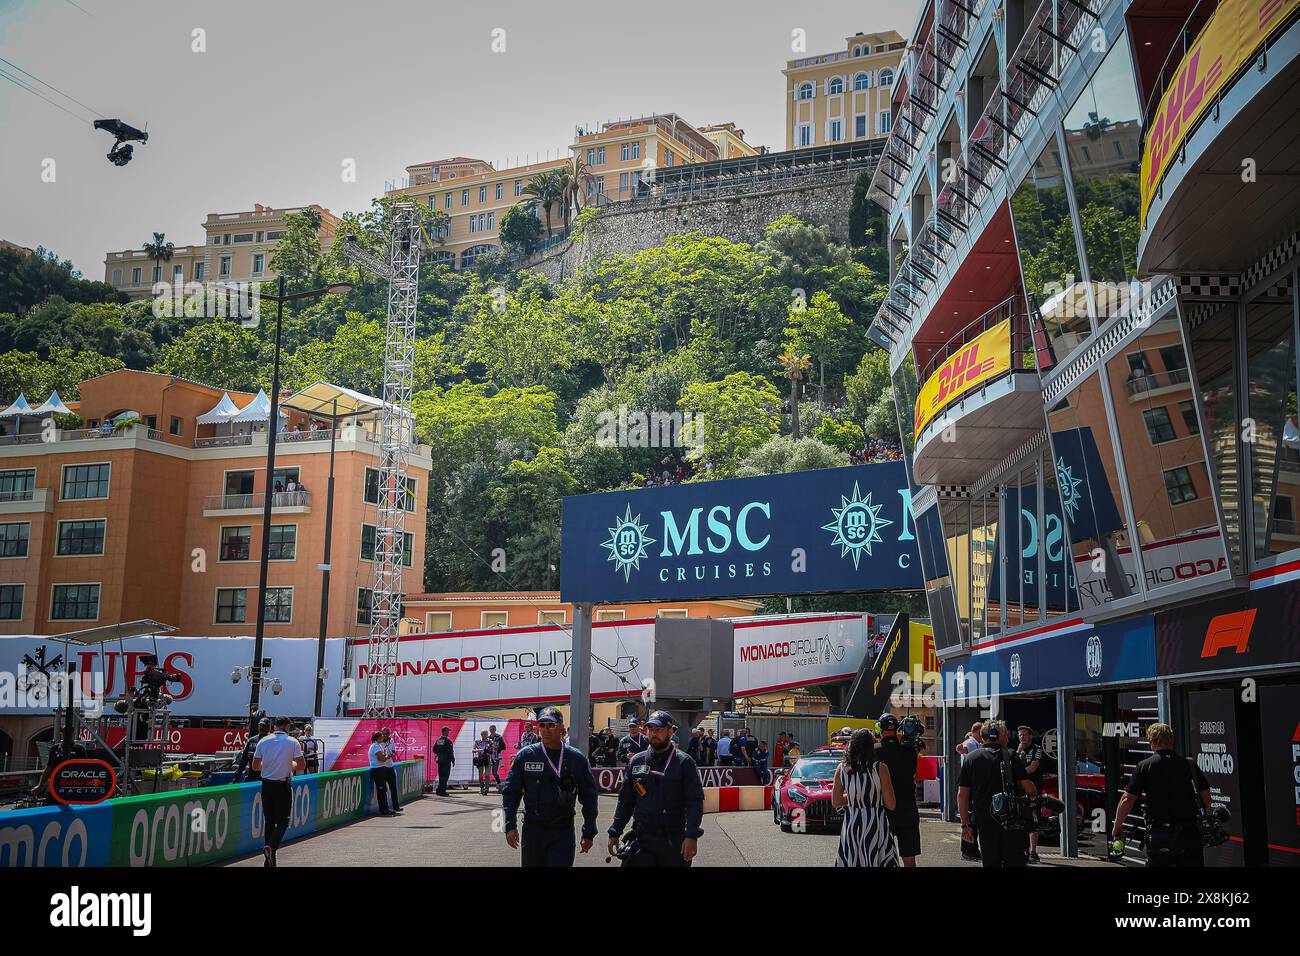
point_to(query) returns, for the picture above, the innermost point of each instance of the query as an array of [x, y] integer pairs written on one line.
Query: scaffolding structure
[[395, 439]]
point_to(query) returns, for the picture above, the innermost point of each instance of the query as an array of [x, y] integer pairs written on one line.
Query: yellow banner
[[923, 662], [986, 356], [1235, 32]]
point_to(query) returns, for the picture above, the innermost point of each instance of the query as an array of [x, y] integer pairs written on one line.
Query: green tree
[[27, 279], [160, 251], [517, 336], [821, 330], [220, 353], [520, 231], [297, 256], [546, 191], [784, 453], [62, 369], [794, 367], [737, 415], [846, 436]]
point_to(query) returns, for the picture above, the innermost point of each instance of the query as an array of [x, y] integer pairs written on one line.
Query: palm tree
[[160, 251], [793, 366], [579, 176], [544, 190]]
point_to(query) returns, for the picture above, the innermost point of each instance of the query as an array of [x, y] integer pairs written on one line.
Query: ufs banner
[[983, 358], [1236, 30], [835, 529], [508, 666]]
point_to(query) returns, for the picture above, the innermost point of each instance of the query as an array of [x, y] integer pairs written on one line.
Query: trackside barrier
[[187, 827], [727, 799]]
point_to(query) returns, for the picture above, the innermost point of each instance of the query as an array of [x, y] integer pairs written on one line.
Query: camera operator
[[989, 771], [1032, 754], [243, 770], [905, 818], [1171, 785], [663, 798]]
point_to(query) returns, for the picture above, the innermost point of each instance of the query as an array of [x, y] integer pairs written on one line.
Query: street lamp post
[[325, 568], [272, 428]]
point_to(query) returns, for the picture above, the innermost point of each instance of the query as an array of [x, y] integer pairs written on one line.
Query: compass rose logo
[[857, 525], [627, 543], [1069, 486]]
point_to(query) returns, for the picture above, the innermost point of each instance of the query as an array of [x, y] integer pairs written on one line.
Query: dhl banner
[[1235, 32], [985, 357]]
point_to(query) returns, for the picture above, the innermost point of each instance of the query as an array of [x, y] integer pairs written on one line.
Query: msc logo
[[627, 543], [1092, 656], [1228, 630], [856, 525], [1069, 488]]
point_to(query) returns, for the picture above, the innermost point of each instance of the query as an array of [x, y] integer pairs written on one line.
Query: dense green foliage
[[521, 384]]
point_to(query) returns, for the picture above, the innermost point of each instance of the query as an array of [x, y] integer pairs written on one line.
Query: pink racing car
[[801, 794]]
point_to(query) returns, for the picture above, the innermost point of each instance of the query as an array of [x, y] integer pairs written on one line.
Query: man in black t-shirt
[[1032, 755], [982, 776], [905, 818], [1172, 787]]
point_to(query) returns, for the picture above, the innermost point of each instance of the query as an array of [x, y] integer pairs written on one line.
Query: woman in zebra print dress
[[863, 788]]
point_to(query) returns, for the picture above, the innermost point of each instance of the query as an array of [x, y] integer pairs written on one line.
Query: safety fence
[[187, 827]]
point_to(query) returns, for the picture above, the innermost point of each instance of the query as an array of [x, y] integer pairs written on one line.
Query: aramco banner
[[806, 532], [777, 653], [509, 666], [984, 357], [1235, 32]]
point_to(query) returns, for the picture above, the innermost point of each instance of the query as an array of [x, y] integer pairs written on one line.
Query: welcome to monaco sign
[[835, 529]]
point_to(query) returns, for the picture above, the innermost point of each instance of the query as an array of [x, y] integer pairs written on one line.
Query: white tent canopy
[[326, 400], [220, 413], [53, 406], [19, 407], [258, 410]]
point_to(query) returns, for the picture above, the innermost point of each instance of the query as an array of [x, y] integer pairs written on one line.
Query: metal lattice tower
[[395, 437]]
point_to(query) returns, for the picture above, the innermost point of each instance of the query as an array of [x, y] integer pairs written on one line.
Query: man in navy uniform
[[663, 798], [634, 743], [550, 777], [444, 753]]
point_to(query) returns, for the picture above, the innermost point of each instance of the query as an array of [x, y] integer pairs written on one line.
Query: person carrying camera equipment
[[244, 772], [1032, 755], [276, 759], [444, 752], [634, 743], [663, 798], [1180, 817], [905, 819], [551, 777], [990, 778]]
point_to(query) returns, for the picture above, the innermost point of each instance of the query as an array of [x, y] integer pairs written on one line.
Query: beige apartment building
[[616, 159], [236, 248], [844, 96]]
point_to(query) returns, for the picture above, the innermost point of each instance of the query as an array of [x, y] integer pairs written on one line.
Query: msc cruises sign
[[837, 529]]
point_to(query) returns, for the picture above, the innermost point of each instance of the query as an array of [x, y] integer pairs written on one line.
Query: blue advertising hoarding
[[1025, 536], [807, 532], [1099, 654]]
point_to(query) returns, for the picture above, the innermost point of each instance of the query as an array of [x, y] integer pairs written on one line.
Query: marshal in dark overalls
[[550, 780]]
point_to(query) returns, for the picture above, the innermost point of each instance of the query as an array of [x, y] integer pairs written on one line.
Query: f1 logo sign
[[1228, 630]]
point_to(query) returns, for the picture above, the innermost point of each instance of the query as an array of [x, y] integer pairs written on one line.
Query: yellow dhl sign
[[1235, 32], [985, 357]]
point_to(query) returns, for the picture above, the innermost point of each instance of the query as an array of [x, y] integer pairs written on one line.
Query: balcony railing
[[282, 499], [1051, 41], [82, 434], [17, 494], [1023, 356], [1140, 384]]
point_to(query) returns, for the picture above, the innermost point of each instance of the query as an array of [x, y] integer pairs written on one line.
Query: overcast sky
[[287, 90]]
